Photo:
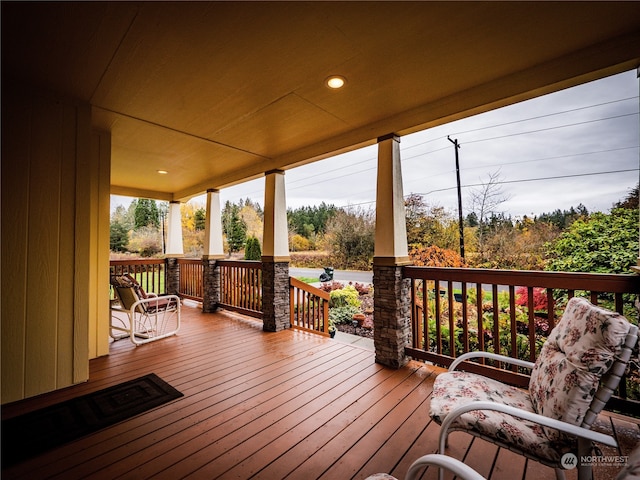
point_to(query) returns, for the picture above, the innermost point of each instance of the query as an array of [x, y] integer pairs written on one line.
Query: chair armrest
[[169, 300], [533, 417], [493, 356], [454, 465]]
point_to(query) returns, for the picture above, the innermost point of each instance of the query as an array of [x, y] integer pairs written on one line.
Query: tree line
[[562, 240]]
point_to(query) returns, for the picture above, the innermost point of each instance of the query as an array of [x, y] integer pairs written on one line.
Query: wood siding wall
[[53, 189]]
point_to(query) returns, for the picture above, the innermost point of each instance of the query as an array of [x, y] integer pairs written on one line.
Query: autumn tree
[[430, 225], [350, 236], [434, 256], [484, 202], [193, 220]]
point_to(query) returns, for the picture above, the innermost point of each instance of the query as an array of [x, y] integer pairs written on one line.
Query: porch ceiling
[[219, 92]]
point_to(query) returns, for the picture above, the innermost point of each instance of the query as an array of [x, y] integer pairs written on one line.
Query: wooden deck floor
[[270, 406]]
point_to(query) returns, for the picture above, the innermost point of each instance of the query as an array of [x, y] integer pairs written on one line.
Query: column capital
[[389, 136]]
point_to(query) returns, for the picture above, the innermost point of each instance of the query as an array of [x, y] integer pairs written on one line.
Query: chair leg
[[560, 474], [585, 472]]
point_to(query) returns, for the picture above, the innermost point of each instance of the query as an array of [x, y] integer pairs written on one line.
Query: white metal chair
[[455, 466], [149, 317], [579, 367]]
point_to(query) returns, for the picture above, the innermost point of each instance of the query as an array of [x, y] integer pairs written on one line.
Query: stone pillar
[[275, 296], [174, 231], [172, 286], [275, 255], [391, 294], [391, 315], [210, 285]]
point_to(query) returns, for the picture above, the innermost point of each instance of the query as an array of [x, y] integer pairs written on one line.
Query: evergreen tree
[[118, 237], [234, 228], [252, 250], [200, 216], [146, 214]]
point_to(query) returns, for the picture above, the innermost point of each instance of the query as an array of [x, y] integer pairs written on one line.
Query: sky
[[576, 146]]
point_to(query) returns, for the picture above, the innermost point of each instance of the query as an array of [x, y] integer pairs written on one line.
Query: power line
[[556, 177], [525, 120]]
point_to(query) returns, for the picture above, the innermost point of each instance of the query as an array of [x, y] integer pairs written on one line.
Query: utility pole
[[460, 221]]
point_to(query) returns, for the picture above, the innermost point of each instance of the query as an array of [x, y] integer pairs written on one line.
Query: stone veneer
[[275, 296], [173, 276], [391, 319], [210, 285]]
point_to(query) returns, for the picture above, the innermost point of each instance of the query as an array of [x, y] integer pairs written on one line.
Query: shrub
[[343, 297], [252, 250], [331, 286], [539, 298], [343, 314], [299, 244]]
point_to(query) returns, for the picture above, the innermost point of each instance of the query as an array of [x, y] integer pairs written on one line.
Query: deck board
[[269, 406]]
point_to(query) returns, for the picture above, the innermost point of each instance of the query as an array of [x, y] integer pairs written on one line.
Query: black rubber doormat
[[36, 432]]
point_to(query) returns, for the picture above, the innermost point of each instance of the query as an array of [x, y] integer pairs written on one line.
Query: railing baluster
[[438, 317], [465, 319], [513, 324], [558, 286], [480, 308], [496, 322]]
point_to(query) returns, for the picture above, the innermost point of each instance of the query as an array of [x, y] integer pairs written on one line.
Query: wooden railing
[[241, 286], [515, 313], [191, 272], [309, 307], [151, 274]]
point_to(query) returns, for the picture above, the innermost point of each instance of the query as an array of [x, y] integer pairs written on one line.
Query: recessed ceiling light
[[162, 172], [336, 81]]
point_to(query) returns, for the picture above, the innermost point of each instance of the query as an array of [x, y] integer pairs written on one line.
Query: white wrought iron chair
[[149, 317], [579, 367], [455, 466]]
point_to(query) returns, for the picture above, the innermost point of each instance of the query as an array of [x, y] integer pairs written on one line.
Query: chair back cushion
[[579, 350]]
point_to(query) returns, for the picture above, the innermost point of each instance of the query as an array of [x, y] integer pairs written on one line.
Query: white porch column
[[174, 231], [213, 245], [275, 255], [391, 293], [391, 229], [276, 232]]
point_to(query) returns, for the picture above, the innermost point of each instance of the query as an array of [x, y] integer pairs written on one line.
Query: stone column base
[[172, 286], [391, 318], [275, 296], [210, 285]]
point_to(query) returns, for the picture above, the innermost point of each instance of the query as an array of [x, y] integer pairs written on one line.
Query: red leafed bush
[[433, 256], [539, 298]]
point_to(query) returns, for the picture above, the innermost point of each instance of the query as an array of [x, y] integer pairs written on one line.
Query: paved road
[[338, 275], [363, 277]]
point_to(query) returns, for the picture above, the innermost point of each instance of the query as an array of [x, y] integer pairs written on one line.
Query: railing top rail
[[138, 261], [599, 282], [294, 282], [241, 263], [189, 261]]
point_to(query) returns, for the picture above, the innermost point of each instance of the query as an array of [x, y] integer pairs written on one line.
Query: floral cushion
[[453, 389], [578, 351]]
